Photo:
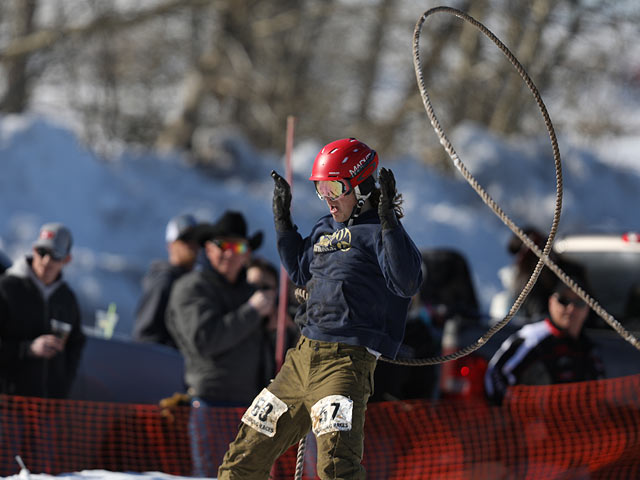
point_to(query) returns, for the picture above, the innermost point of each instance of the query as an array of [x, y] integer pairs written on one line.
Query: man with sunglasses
[[554, 350], [217, 321], [360, 269], [41, 338]]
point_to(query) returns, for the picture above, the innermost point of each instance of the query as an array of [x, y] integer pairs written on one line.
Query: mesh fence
[[582, 430]]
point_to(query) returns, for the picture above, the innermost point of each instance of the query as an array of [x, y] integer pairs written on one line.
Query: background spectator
[[5, 262], [182, 250], [632, 306], [41, 339], [517, 275], [217, 319], [554, 350], [263, 275], [402, 382]]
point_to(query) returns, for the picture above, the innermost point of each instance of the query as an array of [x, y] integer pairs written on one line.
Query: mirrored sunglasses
[[238, 247], [331, 189], [43, 252], [566, 301]]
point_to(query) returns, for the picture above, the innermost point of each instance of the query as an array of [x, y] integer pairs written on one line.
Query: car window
[[614, 279]]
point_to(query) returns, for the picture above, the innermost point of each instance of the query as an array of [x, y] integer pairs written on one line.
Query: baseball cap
[[55, 237], [180, 228]]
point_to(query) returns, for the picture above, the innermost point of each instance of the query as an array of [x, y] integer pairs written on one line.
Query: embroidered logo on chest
[[338, 240]]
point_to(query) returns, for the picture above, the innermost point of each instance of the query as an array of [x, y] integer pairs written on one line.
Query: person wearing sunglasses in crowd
[[554, 350], [41, 338], [263, 275], [216, 319], [360, 269]]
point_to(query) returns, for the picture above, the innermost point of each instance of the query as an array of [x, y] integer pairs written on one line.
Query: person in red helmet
[[360, 269]]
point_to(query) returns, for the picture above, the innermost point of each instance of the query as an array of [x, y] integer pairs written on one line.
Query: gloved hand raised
[[388, 192], [281, 203]]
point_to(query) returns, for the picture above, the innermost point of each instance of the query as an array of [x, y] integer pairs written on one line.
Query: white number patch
[[264, 412], [332, 414]]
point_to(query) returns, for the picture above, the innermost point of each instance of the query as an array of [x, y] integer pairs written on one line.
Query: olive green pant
[[333, 377]]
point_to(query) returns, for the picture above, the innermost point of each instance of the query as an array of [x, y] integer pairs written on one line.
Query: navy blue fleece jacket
[[360, 280]]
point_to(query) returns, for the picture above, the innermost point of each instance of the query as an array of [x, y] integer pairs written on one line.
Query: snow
[[101, 475], [118, 209]]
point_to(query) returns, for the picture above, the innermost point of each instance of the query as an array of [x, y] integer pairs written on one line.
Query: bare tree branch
[[47, 38]]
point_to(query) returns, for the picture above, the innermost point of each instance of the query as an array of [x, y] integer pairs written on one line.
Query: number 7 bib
[[332, 414]]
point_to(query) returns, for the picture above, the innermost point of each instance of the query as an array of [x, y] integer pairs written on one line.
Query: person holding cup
[[41, 338]]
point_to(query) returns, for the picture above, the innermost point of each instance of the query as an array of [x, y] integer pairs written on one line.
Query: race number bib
[[332, 414], [264, 412]]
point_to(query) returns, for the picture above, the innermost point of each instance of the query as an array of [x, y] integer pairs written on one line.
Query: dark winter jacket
[[150, 323], [360, 280], [541, 354], [219, 335], [5, 262], [26, 309]]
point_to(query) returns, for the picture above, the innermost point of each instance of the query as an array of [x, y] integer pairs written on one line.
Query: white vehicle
[[612, 266]]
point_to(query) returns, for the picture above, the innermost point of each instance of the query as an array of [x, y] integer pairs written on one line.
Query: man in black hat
[[41, 337], [216, 320], [182, 249]]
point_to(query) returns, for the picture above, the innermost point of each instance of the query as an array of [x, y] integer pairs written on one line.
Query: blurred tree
[[184, 74], [15, 98]]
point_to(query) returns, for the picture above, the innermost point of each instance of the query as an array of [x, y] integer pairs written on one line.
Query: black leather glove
[[281, 203], [387, 214]]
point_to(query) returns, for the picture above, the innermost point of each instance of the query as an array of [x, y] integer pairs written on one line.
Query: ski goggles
[[331, 189], [238, 246]]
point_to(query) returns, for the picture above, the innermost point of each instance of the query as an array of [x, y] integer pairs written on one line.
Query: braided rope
[[542, 255], [300, 458]]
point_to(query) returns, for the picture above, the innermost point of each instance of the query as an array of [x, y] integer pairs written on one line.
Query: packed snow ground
[[100, 475]]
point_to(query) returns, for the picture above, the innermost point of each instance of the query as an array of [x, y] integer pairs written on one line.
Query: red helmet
[[345, 159]]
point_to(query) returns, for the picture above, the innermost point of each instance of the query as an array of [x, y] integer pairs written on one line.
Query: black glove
[[281, 203], [386, 212]]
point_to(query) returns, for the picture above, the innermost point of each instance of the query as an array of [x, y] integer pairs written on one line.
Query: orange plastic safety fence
[[582, 430]]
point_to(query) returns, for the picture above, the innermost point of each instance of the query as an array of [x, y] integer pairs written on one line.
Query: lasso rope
[[300, 458], [543, 254]]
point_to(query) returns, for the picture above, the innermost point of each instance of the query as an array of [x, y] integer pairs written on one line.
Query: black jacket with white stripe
[[541, 354]]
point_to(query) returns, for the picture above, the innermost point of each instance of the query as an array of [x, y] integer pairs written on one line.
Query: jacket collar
[[22, 269]]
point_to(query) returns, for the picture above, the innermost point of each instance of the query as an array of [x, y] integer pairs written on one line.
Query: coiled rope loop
[[543, 254]]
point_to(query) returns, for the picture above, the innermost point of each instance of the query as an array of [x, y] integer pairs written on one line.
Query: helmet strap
[[361, 199]]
